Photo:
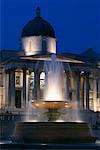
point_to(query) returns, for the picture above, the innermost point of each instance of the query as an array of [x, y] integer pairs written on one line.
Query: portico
[[19, 79]]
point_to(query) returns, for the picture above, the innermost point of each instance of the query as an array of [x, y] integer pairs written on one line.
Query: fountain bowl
[[52, 132], [50, 104]]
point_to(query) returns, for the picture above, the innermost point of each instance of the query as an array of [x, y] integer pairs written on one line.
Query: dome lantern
[[38, 12]]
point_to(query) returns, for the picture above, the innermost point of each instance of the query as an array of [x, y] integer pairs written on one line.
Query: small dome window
[[44, 45]]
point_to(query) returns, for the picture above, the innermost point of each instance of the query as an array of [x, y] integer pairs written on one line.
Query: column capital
[[87, 74], [6, 71], [24, 67], [67, 72], [77, 70], [38, 72], [31, 70], [10, 70], [87, 90], [76, 73]]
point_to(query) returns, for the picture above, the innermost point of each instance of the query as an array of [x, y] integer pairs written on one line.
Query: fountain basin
[[50, 104], [52, 132]]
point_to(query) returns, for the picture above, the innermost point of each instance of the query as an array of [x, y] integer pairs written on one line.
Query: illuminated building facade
[[22, 76]]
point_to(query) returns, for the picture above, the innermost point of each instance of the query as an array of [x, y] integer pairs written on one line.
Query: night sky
[[76, 22]]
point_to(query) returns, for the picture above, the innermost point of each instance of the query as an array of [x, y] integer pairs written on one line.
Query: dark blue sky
[[76, 22]]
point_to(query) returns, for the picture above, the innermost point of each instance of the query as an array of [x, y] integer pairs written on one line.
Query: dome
[[38, 26], [38, 36]]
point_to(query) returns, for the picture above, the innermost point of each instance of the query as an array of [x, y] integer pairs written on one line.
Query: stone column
[[46, 85], [36, 85], [30, 86], [78, 86], [46, 79], [67, 86], [6, 88], [87, 91], [82, 89], [95, 93], [9, 88], [73, 86], [24, 87], [13, 88], [27, 88]]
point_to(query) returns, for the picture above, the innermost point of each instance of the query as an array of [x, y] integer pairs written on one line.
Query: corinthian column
[[13, 88], [87, 91], [36, 85], [67, 86], [24, 87], [73, 90], [95, 93], [82, 89], [6, 88], [78, 86], [9, 88]]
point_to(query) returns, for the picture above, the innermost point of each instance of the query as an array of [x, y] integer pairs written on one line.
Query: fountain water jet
[[52, 131], [54, 98], [55, 73]]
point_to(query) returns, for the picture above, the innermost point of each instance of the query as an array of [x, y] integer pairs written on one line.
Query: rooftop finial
[[38, 11]]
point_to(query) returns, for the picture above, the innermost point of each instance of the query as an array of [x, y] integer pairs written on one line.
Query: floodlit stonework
[[22, 76]]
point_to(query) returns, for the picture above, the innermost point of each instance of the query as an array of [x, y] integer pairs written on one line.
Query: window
[[18, 80], [42, 80], [30, 46], [44, 45], [18, 98], [31, 81]]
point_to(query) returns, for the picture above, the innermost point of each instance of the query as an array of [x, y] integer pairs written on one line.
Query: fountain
[[46, 121]]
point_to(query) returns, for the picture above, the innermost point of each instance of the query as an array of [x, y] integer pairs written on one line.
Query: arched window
[[18, 78], [30, 45], [42, 80], [31, 81], [44, 45], [31, 86]]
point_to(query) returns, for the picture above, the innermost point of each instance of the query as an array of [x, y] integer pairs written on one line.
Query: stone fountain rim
[[56, 104]]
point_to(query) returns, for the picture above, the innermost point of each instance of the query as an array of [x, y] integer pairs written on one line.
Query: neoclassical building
[[23, 78]]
